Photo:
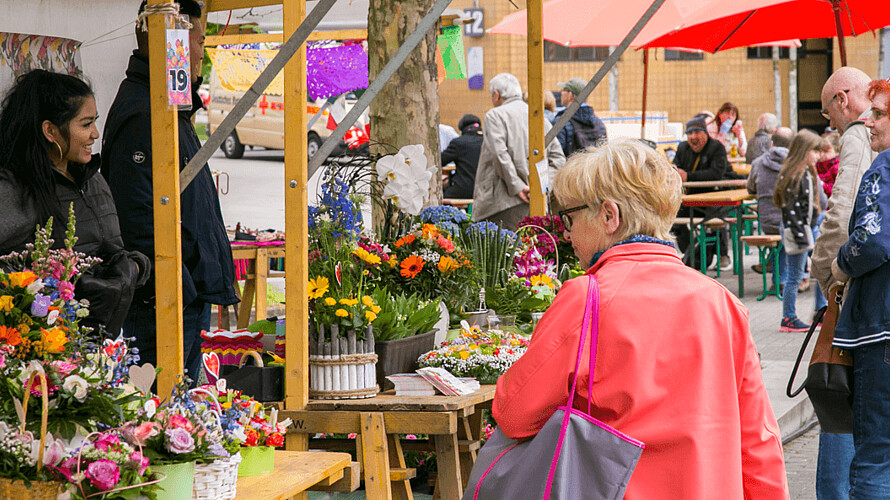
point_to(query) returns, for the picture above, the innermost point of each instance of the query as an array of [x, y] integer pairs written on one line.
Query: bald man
[[845, 105]]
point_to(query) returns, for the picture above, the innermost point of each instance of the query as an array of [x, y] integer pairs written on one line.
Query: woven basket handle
[[43, 417], [254, 355]]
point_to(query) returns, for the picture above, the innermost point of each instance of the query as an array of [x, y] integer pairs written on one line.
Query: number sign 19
[[179, 82]]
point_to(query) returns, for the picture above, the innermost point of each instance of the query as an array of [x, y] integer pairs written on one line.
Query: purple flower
[[103, 474], [40, 306], [179, 441], [140, 461], [106, 441]]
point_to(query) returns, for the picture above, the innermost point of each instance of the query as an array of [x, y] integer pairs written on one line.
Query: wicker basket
[[217, 480], [39, 490]]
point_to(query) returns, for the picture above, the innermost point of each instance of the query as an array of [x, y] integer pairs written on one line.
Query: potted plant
[[483, 355]]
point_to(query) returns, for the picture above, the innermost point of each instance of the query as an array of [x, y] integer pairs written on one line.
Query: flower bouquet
[[262, 434], [483, 355]]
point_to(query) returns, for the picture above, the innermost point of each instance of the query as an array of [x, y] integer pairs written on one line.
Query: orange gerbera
[[405, 240], [411, 266], [429, 231], [10, 336]]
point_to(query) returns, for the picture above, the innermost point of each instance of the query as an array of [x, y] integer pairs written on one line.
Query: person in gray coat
[[501, 193], [767, 124], [762, 181]]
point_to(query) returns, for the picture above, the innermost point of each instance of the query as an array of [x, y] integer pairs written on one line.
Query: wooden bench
[[763, 242]]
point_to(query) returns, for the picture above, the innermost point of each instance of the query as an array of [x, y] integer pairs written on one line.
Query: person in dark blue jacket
[[464, 152], [585, 129], [207, 268]]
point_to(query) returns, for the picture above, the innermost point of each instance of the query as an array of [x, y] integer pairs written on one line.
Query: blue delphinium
[[337, 207]]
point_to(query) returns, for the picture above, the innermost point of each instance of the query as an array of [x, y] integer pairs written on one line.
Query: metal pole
[[613, 85], [253, 93], [601, 73], [645, 88], [376, 86]]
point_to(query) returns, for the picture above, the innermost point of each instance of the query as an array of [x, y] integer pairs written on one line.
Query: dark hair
[[187, 7], [38, 96], [727, 106]]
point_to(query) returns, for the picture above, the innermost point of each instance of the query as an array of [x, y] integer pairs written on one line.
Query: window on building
[[766, 52], [554, 52], [680, 55]]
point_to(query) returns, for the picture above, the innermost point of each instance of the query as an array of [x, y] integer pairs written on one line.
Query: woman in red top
[[676, 368]]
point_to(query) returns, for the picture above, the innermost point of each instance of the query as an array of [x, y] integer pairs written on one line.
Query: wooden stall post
[[536, 145], [165, 185], [296, 381]]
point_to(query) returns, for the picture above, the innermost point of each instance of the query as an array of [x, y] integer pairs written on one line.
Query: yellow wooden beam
[[168, 239], [538, 206], [237, 38], [218, 5], [339, 35], [296, 221]]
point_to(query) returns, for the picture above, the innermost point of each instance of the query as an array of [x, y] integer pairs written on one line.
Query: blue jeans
[[870, 469], [140, 323], [794, 270], [833, 466]]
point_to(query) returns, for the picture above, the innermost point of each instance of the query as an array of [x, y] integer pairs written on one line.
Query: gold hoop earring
[[59, 147]]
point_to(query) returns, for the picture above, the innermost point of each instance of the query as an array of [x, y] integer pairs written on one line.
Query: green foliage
[[403, 316], [491, 252]]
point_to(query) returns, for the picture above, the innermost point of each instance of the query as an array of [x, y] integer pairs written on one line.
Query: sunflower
[[411, 265], [318, 287]]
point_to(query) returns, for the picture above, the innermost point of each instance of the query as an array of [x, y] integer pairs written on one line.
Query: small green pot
[[256, 460], [179, 481]]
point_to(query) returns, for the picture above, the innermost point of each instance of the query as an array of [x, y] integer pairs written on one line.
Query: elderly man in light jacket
[[501, 193]]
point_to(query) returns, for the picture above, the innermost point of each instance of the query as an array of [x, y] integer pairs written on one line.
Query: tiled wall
[[682, 88]]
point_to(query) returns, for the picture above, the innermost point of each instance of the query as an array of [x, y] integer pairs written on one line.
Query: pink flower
[[106, 441], [64, 368], [352, 435], [178, 421], [410, 436], [445, 244], [143, 432], [103, 474], [140, 461], [66, 290], [179, 441]]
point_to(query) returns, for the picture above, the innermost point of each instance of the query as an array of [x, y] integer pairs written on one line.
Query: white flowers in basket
[[406, 178]]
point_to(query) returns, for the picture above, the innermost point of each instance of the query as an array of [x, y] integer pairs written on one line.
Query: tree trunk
[[406, 111]]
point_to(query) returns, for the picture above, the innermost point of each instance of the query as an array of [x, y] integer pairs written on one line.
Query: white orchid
[[407, 178]]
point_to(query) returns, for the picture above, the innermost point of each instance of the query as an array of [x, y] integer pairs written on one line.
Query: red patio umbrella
[[777, 20]]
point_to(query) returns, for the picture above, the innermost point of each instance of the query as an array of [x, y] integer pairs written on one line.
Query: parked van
[[263, 125]]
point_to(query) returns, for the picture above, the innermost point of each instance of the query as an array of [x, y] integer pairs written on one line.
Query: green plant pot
[[179, 481], [256, 460]]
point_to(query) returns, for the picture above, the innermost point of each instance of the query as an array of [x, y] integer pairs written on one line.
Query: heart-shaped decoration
[[211, 366], [142, 377], [115, 349]]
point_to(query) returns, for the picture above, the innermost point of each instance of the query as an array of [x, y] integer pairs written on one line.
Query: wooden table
[[294, 473], [721, 184], [737, 159], [258, 257], [454, 424], [741, 168], [719, 202]]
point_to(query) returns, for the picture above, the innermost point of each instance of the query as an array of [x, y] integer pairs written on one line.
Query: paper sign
[[179, 81], [543, 176]]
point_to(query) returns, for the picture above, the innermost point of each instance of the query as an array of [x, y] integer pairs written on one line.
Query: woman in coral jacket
[[676, 368]]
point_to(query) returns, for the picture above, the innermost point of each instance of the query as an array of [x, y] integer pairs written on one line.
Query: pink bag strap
[[590, 323]]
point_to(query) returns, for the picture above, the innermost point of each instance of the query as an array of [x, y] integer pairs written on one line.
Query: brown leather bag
[[829, 382]]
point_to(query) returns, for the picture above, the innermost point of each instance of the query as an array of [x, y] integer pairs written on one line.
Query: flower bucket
[[179, 481], [256, 460], [342, 367], [217, 480], [400, 355]]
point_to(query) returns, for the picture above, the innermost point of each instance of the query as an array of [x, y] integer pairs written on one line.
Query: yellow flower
[[370, 316], [6, 303], [349, 302], [53, 340], [341, 313], [367, 300], [429, 231], [330, 301], [22, 279], [367, 256], [464, 355], [318, 287], [376, 309], [393, 261], [446, 264], [541, 279]]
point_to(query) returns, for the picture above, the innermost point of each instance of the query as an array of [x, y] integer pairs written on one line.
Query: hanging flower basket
[[217, 480], [341, 367]]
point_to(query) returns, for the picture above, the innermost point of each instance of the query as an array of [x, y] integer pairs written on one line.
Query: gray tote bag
[[574, 456]]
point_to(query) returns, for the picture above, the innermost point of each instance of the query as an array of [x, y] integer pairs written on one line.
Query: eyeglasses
[[567, 219], [824, 110]]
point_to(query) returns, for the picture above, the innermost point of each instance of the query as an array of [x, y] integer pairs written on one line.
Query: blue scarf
[[637, 238]]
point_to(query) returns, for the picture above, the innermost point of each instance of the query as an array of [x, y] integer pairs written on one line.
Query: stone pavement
[[777, 350]]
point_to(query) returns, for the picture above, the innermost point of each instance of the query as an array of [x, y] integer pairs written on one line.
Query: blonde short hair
[[646, 188]]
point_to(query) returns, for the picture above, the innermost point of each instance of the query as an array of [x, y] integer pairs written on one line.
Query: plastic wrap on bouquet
[[343, 366]]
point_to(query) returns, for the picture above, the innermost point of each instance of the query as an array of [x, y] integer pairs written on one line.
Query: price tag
[[543, 175], [179, 81]]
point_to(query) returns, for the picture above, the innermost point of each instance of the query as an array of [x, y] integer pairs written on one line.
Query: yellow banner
[[237, 69]]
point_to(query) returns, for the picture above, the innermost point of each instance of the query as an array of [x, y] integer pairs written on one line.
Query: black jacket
[[207, 268], [712, 165], [464, 152], [586, 117], [98, 235]]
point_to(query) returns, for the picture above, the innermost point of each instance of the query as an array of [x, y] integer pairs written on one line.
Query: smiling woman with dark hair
[[47, 130], [675, 366]]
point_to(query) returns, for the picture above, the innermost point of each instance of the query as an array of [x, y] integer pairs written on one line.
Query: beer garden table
[[294, 473]]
